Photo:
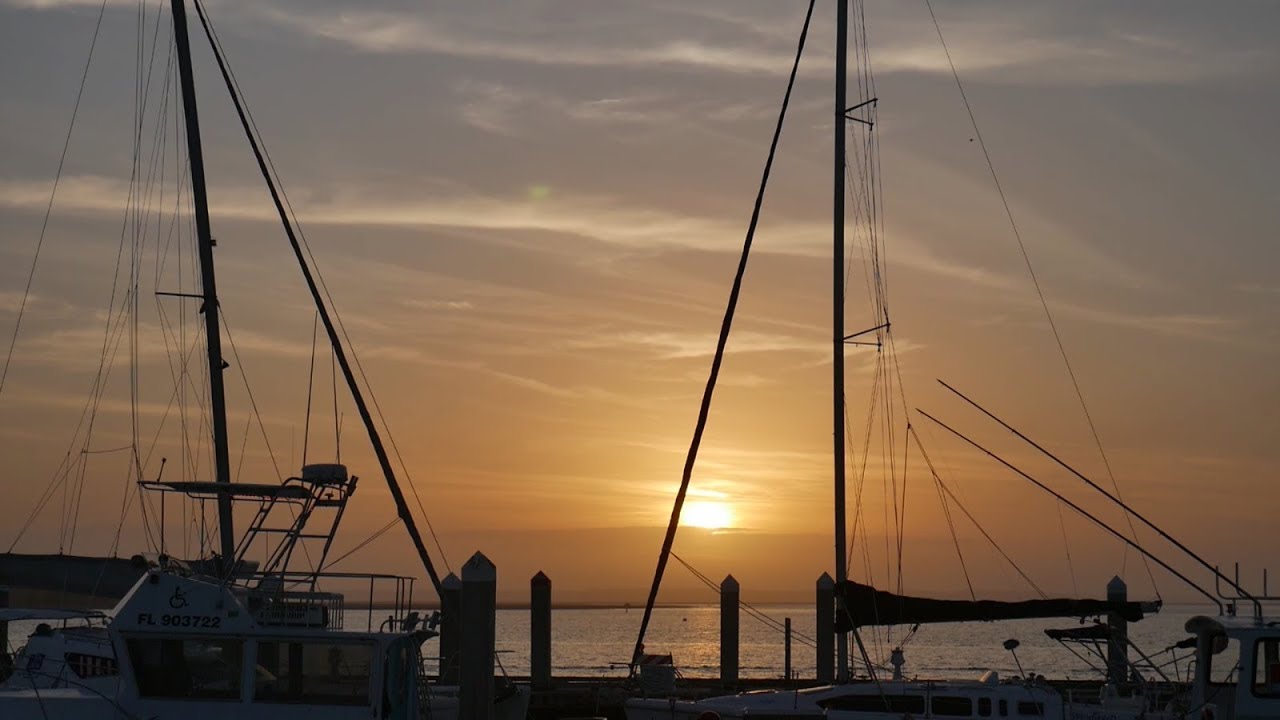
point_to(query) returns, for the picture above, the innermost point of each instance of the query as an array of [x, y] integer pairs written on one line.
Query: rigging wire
[[955, 538], [1044, 303], [726, 324], [311, 380], [360, 546], [1066, 546], [44, 226], [943, 486], [752, 611], [1093, 518], [253, 403], [337, 428]]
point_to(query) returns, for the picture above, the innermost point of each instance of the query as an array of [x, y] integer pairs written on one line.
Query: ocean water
[[598, 642]]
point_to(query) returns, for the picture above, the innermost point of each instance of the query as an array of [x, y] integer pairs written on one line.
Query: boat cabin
[[1256, 692], [197, 648], [263, 641]]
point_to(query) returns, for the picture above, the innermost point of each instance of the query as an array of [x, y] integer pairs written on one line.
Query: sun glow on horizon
[[707, 514]]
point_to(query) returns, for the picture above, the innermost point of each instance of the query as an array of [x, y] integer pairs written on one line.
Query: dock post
[[729, 595], [786, 655], [4, 629], [450, 628], [1118, 638], [826, 629], [540, 630], [479, 607]]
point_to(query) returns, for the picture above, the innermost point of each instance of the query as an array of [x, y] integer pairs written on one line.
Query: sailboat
[[1255, 695], [261, 640]]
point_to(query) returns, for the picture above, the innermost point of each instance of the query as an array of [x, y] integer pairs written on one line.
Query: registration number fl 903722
[[181, 621]]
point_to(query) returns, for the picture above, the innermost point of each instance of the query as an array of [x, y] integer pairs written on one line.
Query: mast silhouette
[[335, 341], [837, 320], [209, 292]]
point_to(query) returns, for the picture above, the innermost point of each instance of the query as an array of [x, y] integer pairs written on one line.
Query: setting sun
[[707, 514]]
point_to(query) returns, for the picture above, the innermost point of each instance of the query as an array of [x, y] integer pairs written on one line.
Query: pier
[[468, 656]]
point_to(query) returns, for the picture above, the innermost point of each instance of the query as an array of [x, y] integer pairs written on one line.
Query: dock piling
[[826, 629], [4, 625], [479, 609], [1118, 640], [450, 628], [786, 653], [729, 597], [540, 630]]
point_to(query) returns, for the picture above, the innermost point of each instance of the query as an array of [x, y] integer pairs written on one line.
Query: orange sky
[[529, 223]]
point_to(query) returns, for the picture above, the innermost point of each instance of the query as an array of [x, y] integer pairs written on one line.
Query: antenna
[[1012, 645]]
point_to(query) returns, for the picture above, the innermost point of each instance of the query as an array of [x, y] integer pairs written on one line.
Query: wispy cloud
[[679, 346], [602, 218], [1022, 46], [504, 109], [1045, 45], [1184, 325]]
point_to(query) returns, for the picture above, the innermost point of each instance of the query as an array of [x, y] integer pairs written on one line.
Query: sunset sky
[[529, 215]]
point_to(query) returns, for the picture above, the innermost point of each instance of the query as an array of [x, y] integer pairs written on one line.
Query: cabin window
[[984, 707], [91, 666], [1031, 709], [1004, 708], [313, 672], [187, 668], [950, 706], [904, 704], [1266, 668]]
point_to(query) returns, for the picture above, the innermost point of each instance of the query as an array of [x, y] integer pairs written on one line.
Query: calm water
[[592, 642]]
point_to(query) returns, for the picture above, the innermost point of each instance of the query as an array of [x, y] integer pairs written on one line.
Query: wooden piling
[[4, 626], [729, 598], [786, 653], [1118, 638], [450, 628], [540, 631], [826, 629], [479, 608]]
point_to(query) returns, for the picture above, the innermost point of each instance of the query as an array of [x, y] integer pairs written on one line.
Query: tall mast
[[837, 320], [402, 506], [204, 239]]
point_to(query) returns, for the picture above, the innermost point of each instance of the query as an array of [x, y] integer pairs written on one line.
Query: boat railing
[[294, 599]]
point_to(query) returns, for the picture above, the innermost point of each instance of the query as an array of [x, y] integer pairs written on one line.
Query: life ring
[[709, 715]]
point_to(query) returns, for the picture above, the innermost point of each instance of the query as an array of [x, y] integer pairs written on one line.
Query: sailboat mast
[[204, 241], [837, 319]]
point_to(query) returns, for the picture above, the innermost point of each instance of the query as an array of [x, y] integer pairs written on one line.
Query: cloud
[[601, 218], [1044, 46], [1253, 288], [1185, 325], [1021, 44], [505, 110], [604, 219], [685, 345], [381, 31]]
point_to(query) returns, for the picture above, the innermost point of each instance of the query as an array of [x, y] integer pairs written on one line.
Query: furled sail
[[865, 605]]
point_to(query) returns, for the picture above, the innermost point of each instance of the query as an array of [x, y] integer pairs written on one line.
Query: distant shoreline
[[564, 606]]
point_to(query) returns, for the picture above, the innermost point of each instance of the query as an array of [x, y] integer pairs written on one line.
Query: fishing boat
[[235, 636], [860, 606], [270, 643]]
